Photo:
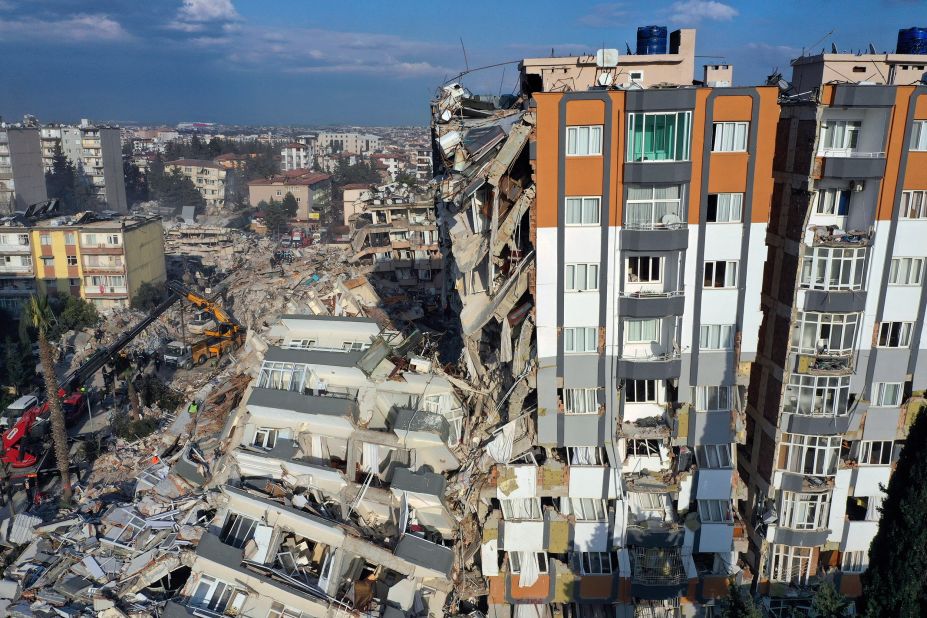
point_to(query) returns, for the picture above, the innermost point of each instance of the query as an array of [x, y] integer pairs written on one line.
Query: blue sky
[[364, 61]]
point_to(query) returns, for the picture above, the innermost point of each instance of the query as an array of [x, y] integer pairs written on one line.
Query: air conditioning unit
[[857, 185]]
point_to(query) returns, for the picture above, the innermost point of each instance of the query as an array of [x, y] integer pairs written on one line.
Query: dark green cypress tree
[[895, 583]]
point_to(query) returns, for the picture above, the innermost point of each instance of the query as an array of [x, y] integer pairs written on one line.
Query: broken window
[[217, 596], [237, 530], [657, 565], [283, 376], [832, 202], [587, 456], [641, 447], [279, 610], [265, 438], [584, 509], [804, 511], [521, 508]]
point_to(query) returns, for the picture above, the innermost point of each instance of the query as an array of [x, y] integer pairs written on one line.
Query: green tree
[[828, 602], [290, 205], [894, 584], [42, 320], [275, 218], [136, 183], [17, 375], [69, 184], [149, 296], [406, 178], [739, 604], [76, 313]]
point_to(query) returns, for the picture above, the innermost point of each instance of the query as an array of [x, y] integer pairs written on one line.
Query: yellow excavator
[[227, 334]]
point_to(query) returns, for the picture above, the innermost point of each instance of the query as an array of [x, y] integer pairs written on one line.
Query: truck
[[185, 355]]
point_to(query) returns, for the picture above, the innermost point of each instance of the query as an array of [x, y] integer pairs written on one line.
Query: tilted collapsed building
[[608, 249]]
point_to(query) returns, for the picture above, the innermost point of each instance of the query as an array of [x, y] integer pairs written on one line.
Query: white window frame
[[714, 456], [854, 561], [648, 263], [581, 277], [878, 450], [660, 198], [887, 394], [804, 511], [791, 564], [832, 334], [580, 401], [712, 275], [714, 398], [810, 455], [830, 202], [716, 337], [644, 447], [584, 509], [515, 562], [833, 268], [641, 391], [918, 136], [594, 562], [635, 334], [843, 141], [264, 436], [715, 511], [648, 501], [279, 610], [817, 395], [521, 509], [237, 528], [582, 211], [906, 271], [593, 141], [214, 596], [895, 334], [588, 335], [730, 136], [913, 205], [586, 456], [728, 208]]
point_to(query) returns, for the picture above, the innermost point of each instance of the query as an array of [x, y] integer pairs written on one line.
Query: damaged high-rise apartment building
[[607, 235]]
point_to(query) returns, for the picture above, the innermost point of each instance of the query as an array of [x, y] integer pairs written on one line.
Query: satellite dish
[[607, 58], [670, 219], [604, 79]]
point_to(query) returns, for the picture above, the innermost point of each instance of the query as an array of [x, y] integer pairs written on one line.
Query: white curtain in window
[[529, 569]]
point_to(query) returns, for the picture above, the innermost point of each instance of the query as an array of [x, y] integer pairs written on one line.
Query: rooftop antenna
[[833, 47], [872, 48], [466, 62], [816, 43]]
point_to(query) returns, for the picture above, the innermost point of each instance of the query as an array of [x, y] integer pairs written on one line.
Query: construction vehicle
[[228, 333], [186, 355]]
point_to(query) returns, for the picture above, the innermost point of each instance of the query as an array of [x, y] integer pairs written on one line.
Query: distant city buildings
[[353, 143], [295, 156], [208, 177], [22, 177], [312, 191]]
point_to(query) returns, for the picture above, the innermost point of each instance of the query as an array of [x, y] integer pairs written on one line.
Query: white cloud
[[200, 15], [693, 11], [605, 15], [81, 28]]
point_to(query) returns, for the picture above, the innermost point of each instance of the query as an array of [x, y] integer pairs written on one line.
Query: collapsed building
[[607, 246]]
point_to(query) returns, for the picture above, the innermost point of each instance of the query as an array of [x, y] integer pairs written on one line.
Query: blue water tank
[[651, 40], [910, 41]]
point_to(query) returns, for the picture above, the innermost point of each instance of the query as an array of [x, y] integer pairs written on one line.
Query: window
[[584, 141], [69, 238], [791, 564], [715, 511], [594, 562], [237, 530], [47, 261], [217, 596], [582, 210], [913, 205], [906, 271], [581, 277], [279, 610], [720, 274], [521, 508], [730, 137], [713, 398], [580, 401], [830, 268], [640, 391], [919, 135], [584, 509], [636, 76], [45, 239], [716, 337], [579, 339], [832, 202], [587, 456], [841, 134], [824, 333], [74, 283], [113, 239], [283, 376], [817, 395], [652, 207], [641, 447], [265, 438], [713, 456], [895, 334], [802, 511], [644, 269], [804, 454], [642, 331], [648, 501], [855, 561], [72, 260], [725, 208], [659, 136], [886, 394], [516, 557], [875, 452]]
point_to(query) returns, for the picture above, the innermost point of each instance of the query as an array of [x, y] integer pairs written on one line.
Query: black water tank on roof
[[910, 41], [651, 40]]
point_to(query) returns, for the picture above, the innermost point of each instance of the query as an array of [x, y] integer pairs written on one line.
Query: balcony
[[103, 291], [9, 269], [654, 237], [824, 364], [105, 269], [102, 249], [831, 236], [849, 164], [18, 290], [638, 301], [650, 361]]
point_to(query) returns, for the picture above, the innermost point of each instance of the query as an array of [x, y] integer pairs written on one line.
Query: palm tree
[[42, 318]]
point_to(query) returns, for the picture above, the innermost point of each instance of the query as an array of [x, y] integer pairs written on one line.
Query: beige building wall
[[144, 256], [351, 203], [207, 177]]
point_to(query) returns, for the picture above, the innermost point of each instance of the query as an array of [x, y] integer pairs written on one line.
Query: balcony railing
[[16, 270], [849, 153], [94, 290], [651, 294]]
